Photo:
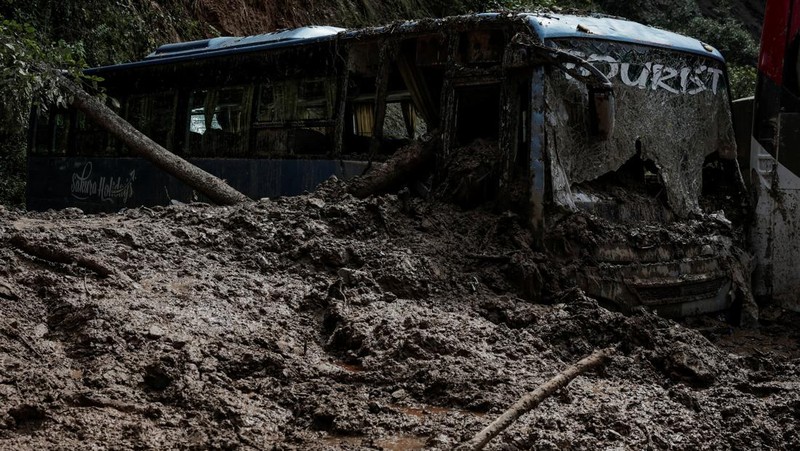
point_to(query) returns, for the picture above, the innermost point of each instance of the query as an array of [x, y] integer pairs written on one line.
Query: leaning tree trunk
[[213, 187], [403, 165]]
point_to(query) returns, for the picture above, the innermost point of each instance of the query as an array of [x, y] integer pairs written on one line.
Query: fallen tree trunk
[[212, 187], [403, 165], [532, 399]]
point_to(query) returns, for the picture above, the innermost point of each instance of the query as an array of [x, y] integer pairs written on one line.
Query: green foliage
[[719, 28], [26, 76], [667, 14], [727, 35], [28, 72], [449, 8], [742, 80]]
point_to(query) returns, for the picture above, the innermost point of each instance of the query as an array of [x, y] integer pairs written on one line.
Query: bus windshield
[[672, 112]]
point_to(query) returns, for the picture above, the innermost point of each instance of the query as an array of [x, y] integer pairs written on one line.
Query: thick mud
[[326, 322]]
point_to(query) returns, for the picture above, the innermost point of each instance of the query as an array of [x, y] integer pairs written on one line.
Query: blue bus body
[[111, 184]]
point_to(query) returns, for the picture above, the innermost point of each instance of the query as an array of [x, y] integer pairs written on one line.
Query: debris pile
[[327, 322]]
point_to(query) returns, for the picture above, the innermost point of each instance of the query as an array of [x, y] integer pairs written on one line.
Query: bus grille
[[665, 294]]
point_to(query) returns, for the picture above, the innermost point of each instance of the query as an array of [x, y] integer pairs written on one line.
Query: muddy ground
[[326, 322]]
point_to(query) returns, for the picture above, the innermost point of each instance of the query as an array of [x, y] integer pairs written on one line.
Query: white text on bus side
[[107, 189]]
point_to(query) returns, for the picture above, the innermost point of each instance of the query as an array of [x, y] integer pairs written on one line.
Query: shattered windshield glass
[[672, 109]]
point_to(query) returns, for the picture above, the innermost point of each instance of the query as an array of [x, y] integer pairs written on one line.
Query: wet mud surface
[[326, 322]]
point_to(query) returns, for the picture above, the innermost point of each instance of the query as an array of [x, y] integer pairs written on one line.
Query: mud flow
[[326, 322]]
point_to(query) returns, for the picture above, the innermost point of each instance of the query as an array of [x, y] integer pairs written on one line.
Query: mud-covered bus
[[587, 114]]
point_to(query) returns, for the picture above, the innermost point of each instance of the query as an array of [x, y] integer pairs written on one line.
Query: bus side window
[[43, 134], [267, 110], [269, 140], [394, 91], [153, 115], [403, 122], [295, 116], [51, 136], [219, 122], [315, 101], [90, 138], [61, 127]]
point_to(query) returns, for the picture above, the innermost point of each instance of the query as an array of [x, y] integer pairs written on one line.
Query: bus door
[[471, 159]]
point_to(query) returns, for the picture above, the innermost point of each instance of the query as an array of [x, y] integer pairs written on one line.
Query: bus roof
[[547, 27], [228, 45], [555, 26], [293, 36]]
